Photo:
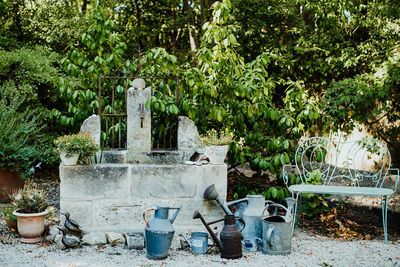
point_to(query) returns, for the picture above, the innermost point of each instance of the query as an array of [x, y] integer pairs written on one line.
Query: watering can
[[277, 232], [251, 243], [199, 242], [250, 209], [159, 232], [230, 237]]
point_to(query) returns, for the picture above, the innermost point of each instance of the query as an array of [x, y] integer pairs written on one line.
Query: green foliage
[[100, 52], [29, 199], [315, 203], [27, 90], [82, 144], [21, 136], [225, 92], [6, 212], [371, 99]]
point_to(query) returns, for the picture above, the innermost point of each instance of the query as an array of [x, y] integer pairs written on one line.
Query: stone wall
[[112, 197]]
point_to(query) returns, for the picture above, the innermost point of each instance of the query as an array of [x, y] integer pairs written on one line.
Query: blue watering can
[[159, 232]]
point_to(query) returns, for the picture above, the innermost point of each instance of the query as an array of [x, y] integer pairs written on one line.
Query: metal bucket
[[199, 243], [277, 233]]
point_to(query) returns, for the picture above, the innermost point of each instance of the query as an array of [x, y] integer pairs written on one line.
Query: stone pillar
[[138, 129]]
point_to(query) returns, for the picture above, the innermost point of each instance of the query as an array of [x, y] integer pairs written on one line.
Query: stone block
[[114, 212], [80, 211], [162, 181], [134, 241], [94, 181], [92, 126], [213, 174], [188, 137], [114, 156], [115, 239], [94, 239]]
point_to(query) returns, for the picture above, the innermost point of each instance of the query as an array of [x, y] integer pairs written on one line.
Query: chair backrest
[[359, 162]]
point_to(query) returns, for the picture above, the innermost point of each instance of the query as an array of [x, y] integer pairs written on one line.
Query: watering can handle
[[274, 205], [243, 223], [144, 215], [269, 234], [178, 209]]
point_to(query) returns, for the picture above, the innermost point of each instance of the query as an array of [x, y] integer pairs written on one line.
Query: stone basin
[[112, 197]]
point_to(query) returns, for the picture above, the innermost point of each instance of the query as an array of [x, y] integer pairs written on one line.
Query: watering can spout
[[187, 240], [178, 209]]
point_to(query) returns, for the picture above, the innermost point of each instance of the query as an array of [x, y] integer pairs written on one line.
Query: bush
[[20, 134], [27, 89]]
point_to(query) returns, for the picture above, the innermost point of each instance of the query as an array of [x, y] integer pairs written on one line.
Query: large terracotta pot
[[9, 181], [30, 226]]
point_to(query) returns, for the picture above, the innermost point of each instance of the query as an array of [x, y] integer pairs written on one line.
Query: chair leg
[[384, 216], [294, 216]]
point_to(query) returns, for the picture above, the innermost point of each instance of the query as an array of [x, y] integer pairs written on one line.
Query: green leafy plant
[[21, 134], [315, 203], [80, 143], [29, 199], [213, 138], [6, 212]]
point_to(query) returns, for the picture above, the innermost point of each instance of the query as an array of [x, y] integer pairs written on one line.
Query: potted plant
[[30, 208], [76, 147], [6, 213], [217, 145]]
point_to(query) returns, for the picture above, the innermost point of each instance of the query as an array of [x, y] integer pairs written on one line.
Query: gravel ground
[[307, 250]]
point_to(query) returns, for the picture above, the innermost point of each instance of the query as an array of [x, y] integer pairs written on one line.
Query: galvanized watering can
[[277, 232], [199, 244], [250, 209], [159, 232], [230, 238], [251, 244]]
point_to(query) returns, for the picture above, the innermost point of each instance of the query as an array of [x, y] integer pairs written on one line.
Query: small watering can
[[159, 232], [251, 243], [230, 236], [277, 232], [199, 242]]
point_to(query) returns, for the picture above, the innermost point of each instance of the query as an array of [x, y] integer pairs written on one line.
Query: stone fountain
[[112, 195]]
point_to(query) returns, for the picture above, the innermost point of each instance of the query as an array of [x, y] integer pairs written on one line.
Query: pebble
[[306, 251]]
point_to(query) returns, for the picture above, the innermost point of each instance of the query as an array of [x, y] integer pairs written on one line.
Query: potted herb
[[217, 145], [76, 146], [30, 208]]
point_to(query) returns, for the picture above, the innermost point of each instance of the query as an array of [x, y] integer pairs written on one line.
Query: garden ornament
[[68, 242], [72, 226]]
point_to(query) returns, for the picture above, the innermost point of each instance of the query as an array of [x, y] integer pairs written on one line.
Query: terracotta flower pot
[[216, 154], [9, 181], [30, 226], [69, 161]]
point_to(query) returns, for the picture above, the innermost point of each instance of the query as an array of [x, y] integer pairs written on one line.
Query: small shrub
[[212, 138], [79, 143]]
